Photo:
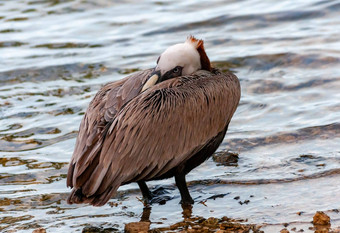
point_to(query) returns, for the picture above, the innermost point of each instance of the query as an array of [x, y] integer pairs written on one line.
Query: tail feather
[[77, 197]]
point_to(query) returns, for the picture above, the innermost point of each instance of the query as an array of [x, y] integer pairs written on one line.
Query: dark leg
[[183, 189], [145, 190]]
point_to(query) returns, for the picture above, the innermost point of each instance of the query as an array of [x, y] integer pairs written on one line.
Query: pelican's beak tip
[[151, 81]]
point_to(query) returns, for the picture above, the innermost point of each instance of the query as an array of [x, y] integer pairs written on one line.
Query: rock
[[136, 227], [322, 222], [211, 223], [226, 158], [39, 230], [320, 218], [284, 230]]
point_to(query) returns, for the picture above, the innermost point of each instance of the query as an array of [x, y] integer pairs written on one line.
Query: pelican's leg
[[183, 189], [145, 191]]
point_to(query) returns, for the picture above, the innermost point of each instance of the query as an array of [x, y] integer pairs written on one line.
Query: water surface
[[55, 55]]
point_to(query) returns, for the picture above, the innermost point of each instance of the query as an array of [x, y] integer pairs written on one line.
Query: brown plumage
[[167, 130]]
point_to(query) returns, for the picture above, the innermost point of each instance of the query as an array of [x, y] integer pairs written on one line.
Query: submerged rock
[[136, 227], [225, 158], [202, 225], [39, 230]]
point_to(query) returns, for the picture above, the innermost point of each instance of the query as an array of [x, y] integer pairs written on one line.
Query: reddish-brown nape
[[205, 62]]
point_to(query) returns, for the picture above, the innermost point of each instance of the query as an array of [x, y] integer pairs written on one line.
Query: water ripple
[[14, 145], [323, 132]]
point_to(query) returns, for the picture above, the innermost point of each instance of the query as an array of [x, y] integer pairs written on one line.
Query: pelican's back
[[170, 128]]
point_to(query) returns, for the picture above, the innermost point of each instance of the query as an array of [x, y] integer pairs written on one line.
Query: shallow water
[[55, 55]]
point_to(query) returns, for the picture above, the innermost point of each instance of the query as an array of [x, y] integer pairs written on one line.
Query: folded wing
[[154, 132], [99, 115]]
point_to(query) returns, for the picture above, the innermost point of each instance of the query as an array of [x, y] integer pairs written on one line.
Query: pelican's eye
[[177, 69]]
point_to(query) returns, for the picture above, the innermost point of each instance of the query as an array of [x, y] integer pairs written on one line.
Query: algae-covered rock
[[320, 218]]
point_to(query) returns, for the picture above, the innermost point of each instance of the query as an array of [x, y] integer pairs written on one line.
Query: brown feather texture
[[127, 135]]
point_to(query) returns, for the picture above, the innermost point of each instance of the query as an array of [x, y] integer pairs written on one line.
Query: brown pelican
[[154, 124]]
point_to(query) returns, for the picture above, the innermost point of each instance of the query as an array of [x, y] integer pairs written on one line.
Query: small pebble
[[39, 230]]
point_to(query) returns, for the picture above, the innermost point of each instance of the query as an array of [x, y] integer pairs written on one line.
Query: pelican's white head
[[180, 59]]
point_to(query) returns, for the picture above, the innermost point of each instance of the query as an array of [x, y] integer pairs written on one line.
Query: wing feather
[[97, 119], [160, 128]]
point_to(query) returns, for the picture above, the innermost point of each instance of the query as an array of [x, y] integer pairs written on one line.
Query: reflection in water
[[146, 214], [193, 223]]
